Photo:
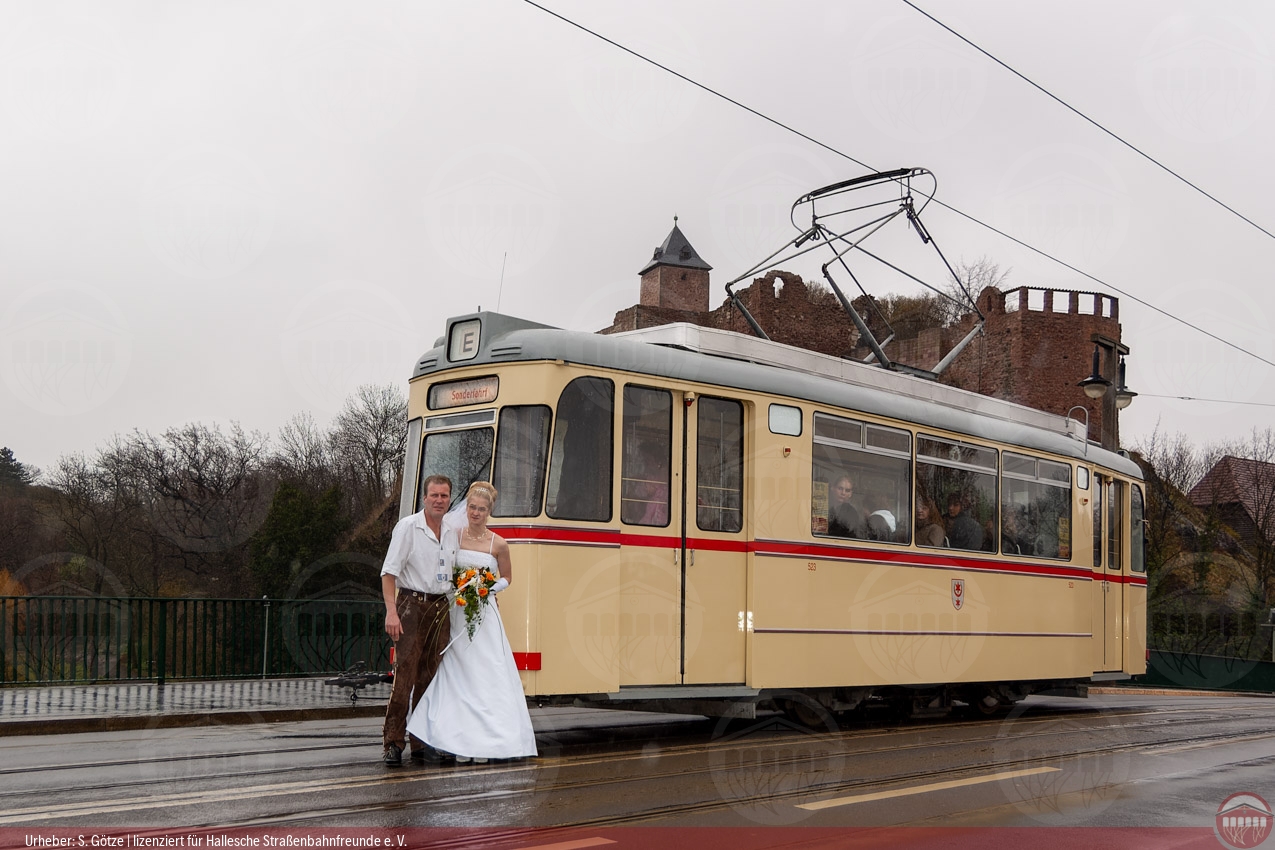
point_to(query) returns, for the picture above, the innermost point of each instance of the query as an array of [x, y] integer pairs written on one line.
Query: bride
[[474, 707]]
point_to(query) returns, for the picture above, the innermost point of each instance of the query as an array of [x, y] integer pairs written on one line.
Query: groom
[[414, 580]]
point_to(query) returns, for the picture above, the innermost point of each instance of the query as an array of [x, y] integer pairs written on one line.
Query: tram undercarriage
[[816, 706]]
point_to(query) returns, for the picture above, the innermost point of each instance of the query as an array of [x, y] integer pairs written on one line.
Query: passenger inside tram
[[844, 519], [1013, 539], [646, 496], [881, 523], [963, 532], [929, 530]]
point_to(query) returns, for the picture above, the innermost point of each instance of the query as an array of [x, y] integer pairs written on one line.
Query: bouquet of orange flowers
[[473, 593]]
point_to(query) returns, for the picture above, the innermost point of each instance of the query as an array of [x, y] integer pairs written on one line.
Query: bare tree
[[205, 492], [1253, 519], [1171, 466], [303, 453], [100, 507], [939, 307], [972, 278], [368, 441]]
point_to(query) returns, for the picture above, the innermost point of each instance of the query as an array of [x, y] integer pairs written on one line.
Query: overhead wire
[[870, 168], [1157, 163], [1209, 400]]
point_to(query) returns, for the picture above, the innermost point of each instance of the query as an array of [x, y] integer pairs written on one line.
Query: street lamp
[[1095, 386], [1124, 395]]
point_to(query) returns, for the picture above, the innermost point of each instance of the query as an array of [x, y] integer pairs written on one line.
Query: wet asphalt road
[[1114, 760]]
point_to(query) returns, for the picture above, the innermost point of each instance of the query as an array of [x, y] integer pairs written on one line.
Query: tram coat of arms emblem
[[958, 593]]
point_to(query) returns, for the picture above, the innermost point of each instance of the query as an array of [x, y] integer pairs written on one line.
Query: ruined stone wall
[[1036, 346], [784, 307]]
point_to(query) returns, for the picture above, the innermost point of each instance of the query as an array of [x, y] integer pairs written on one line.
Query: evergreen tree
[[300, 529], [13, 473]]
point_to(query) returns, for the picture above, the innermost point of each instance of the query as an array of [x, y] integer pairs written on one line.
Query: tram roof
[[727, 359]]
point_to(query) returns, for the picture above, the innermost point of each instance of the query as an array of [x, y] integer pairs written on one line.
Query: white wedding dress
[[475, 706]]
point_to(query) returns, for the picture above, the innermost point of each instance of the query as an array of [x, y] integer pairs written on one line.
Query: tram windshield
[[581, 459], [520, 460], [463, 456]]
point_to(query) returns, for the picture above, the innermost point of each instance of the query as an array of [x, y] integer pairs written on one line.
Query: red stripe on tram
[[527, 660], [781, 548], [909, 558], [525, 533], [651, 541]]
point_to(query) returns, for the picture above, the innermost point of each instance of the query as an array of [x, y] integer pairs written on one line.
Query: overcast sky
[[218, 212]]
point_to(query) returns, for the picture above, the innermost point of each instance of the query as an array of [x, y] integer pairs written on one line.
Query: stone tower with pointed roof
[[676, 278]]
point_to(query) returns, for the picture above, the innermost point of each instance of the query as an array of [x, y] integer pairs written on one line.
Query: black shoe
[[429, 755], [393, 755]]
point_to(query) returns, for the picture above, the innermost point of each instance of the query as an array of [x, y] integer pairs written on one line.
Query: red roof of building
[[1237, 480]]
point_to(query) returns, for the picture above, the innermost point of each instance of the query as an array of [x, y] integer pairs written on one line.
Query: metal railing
[[1220, 633], [47, 639]]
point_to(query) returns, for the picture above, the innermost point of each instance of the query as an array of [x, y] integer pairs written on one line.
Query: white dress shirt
[[414, 555]]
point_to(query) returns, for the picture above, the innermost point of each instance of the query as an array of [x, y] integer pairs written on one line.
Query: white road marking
[[924, 789]]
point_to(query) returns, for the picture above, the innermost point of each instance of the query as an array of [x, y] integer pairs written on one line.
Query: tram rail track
[[824, 789], [1155, 719]]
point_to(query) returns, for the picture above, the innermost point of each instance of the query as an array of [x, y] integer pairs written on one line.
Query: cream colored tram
[[666, 496]]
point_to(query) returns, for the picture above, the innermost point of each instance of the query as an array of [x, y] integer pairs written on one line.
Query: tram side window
[[521, 448], [1097, 521], [719, 465], [960, 479], [647, 461], [861, 480], [1137, 532], [581, 459], [1035, 507], [463, 456], [1115, 522]]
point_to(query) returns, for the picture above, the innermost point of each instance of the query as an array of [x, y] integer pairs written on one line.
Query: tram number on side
[[810, 565]]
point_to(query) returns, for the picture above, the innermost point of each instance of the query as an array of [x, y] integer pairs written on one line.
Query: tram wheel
[[987, 705], [902, 708], [810, 714]]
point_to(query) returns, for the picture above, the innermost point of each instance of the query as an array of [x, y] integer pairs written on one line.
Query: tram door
[[683, 557], [649, 628], [714, 560], [1108, 551]]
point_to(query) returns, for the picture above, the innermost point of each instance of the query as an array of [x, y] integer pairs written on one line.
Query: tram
[[667, 496]]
